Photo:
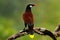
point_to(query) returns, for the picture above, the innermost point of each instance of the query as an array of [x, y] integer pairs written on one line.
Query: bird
[[28, 18]]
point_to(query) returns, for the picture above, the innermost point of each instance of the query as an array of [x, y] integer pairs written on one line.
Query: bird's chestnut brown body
[[28, 17]]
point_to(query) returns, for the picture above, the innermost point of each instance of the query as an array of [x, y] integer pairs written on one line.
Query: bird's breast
[[28, 17]]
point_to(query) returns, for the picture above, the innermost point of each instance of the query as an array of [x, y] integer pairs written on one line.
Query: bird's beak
[[31, 36], [35, 4]]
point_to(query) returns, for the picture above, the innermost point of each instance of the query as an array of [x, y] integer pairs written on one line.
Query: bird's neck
[[28, 9]]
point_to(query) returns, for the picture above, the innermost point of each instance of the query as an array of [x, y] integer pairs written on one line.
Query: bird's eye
[[30, 5]]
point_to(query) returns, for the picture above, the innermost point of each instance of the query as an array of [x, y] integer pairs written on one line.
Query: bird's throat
[[28, 9]]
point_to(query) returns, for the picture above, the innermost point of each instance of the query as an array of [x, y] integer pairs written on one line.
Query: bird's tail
[[31, 32], [31, 36], [30, 26]]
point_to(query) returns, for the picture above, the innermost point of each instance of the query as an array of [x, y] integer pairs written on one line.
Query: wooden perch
[[19, 34], [40, 31], [57, 31]]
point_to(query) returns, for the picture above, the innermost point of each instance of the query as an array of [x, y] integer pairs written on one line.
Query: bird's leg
[[25, 26]]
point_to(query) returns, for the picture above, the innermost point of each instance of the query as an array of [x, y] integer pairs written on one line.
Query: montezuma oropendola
[[28, 18]]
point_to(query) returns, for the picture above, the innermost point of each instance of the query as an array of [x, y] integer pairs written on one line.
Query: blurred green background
[[46, 14]]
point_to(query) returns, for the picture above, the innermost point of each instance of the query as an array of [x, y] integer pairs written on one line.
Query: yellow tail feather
[[31, 36]]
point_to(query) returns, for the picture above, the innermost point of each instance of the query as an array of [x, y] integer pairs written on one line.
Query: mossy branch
[[40, 31]]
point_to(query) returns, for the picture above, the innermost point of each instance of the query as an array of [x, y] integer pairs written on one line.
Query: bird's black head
[[30, 5]]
